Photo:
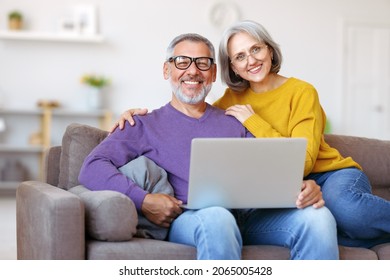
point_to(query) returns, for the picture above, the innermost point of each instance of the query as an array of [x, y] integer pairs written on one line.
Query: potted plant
[[15, 20], [95, 80], [95, 85]]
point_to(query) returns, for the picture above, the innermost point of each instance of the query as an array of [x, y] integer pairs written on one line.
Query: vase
[[94, 98], [15, 24]]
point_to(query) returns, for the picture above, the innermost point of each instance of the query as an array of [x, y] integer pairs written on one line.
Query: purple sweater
[[163, 136]]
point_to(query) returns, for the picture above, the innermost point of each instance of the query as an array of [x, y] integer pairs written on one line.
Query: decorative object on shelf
[[15, 20], [36, 139], [67, 25], [85, 19], [52, 104], [95, 90], [81, 20], [97, 81]]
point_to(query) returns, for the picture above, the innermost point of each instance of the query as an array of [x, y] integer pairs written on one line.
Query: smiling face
[[191, 85], [257, 62]]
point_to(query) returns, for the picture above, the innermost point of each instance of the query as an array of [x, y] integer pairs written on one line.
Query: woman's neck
[[271, 82]]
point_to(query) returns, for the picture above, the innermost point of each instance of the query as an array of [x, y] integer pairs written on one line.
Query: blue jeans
[[218, 233], [363, 219]]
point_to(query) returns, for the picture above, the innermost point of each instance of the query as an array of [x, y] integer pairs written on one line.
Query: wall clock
[[223, 14]]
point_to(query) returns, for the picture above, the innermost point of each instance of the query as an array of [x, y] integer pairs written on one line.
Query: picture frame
[[85, 19]]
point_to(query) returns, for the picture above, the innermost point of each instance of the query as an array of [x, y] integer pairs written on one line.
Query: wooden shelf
[[5, 148], [45, 117], [55, 112], [51, 37]]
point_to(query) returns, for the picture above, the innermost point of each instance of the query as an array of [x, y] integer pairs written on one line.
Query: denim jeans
[[363, 219], [218, 233]]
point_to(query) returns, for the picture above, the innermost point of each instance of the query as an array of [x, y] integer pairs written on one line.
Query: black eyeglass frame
[[193, 59]]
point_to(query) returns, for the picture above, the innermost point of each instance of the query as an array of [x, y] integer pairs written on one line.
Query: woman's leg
[[213, 231], [309, 233], [359, 214]]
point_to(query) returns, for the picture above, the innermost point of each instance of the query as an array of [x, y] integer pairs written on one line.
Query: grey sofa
[[59, 219]]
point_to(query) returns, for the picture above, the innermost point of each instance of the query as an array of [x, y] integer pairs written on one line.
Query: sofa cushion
[[77, 142], [372, 154], [383, 251], [109, 215]]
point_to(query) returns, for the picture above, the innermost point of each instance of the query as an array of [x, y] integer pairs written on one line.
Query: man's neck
[[192, 110]]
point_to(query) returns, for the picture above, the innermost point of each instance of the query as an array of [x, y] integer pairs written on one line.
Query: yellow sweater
[[292, 110]]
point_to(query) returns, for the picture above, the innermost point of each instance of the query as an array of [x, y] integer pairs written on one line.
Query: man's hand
[[161, 209], [310, 195], [240, 112], [128, 116]]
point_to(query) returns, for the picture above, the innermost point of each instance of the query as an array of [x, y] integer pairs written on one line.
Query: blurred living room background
[[48, 62]]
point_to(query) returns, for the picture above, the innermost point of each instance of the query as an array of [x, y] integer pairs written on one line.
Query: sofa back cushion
[[77, 142], [372, 154]]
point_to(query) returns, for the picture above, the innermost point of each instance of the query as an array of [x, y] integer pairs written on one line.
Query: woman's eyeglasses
[[256, 51]]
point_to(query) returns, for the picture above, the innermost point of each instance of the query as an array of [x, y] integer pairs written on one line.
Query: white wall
[[137, 33]]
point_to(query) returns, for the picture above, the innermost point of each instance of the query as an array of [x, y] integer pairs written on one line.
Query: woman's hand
[[128, 116], [240, 112], [310, 194]]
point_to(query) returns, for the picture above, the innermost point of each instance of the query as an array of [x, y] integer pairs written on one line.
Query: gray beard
[[201, 96]]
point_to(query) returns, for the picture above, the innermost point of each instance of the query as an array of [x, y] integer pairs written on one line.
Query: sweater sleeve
[[100, 168], [307, 120]]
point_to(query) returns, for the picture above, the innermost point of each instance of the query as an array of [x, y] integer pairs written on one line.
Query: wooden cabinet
[[28, 134]]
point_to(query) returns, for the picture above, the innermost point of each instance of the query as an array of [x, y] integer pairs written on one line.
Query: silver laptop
[[246, 172]]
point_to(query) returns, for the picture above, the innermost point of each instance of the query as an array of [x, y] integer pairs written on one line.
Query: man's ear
[[215, 72], [166, 71]]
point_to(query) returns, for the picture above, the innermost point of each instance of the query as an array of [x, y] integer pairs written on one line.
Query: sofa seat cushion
[[78, 141], [383, 251], [356, 253], [139, 249], [151, 249], [109, 215]]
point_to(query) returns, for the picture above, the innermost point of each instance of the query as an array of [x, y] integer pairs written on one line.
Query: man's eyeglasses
[[184, 62], [256, 51]]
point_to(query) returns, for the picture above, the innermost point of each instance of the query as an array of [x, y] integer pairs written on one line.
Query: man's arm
[[100, 168]]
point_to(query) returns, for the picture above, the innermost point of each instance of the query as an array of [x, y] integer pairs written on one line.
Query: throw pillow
[[77, 142]]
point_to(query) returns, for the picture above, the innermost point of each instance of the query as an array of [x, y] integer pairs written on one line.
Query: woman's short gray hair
[[193, 37], [258, 32]]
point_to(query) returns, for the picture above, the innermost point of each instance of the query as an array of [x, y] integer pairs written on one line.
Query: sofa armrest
[[49, 223]]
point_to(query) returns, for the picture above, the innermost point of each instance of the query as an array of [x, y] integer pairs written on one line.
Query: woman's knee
[[346, 180]]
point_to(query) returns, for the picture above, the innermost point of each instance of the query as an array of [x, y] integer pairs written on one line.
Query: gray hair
[[258, 32], [193, 37]]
